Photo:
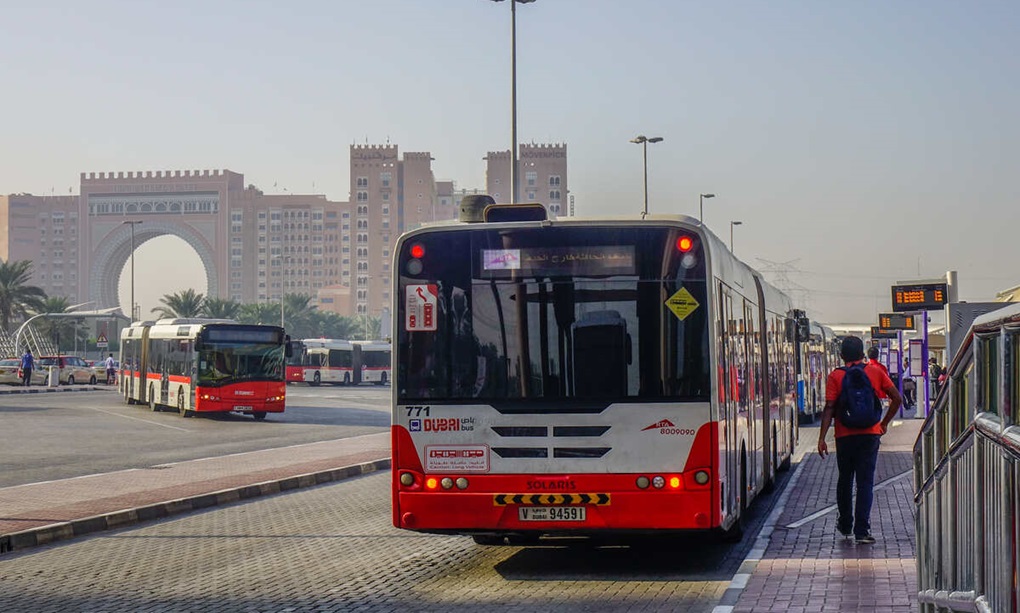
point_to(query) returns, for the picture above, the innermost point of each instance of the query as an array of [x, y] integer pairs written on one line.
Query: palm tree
[[299, 314], [17, 297], [185, 303], [62, 329], [219, 308], [264, 313]]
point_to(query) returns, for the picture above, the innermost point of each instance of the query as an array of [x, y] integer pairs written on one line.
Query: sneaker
[[844, 533], [865, 539]]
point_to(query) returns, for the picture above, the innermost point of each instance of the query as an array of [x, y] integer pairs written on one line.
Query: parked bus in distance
[[584, 377], [204, 366], [816, 357], [373, 362]]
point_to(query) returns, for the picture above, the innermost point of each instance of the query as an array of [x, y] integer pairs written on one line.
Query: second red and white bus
[[203, 365], [585, 377], [341, 362]]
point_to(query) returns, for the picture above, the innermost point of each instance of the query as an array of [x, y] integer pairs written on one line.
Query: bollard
[[53, 377]]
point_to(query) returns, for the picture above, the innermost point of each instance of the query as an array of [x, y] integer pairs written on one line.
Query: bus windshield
[[223, 362], [590, 313]]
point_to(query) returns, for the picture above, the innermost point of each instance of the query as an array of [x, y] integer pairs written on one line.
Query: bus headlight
[[658, 482], [406, 479], [447, 483], [701, 477]]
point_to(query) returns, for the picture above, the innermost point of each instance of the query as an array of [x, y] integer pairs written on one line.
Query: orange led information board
[[877, 332], [925, 297], [895, 321]]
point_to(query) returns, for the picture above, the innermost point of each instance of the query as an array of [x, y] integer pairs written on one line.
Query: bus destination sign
[[895, 321], [877, 332], [922, 297]]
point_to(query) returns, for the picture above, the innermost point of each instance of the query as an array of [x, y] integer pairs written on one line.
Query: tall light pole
[[514, 188], [132, 224], [283, 282], [701, 206], [643, 141], [733, 223]]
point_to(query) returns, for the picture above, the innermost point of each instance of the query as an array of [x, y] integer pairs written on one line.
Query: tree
[[219, 308], [17, 297], [299, 315], [61, 330], [185, 303], [264, 313]]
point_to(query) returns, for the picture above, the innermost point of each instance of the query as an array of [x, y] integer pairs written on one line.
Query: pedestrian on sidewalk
[[27, 364], [852, 399]]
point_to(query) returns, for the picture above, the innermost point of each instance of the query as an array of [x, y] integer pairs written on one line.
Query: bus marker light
[[684, 244], [431, 483], [674, 482], [447, 483], [462, 483], [643, 482], [417, 251], [406, 479], [701, 520], [658, 482], [408, 519], [689, 261], [701, 477]]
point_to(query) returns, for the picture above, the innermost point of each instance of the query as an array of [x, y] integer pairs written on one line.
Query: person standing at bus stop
[[856, 447], [27, 364]]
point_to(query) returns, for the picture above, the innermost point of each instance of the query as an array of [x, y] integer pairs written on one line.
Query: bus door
[[729, 403]]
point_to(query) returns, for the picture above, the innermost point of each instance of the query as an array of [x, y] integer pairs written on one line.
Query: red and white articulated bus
[[584, 377], [204, 365], [340, 362]]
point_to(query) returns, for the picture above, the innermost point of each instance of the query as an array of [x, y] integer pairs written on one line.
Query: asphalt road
[[60, 435]]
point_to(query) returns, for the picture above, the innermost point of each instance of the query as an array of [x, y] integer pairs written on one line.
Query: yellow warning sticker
[[682, 303]]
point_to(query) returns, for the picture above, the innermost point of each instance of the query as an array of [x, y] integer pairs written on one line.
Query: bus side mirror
[[803, 329], [288, 349]]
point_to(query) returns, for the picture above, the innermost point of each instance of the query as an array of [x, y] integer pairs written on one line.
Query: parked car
[[72, 369], [10, 373]]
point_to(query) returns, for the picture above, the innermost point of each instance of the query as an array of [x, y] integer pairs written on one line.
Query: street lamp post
[[701, 206], [643, 141], [132, 224], [514, 188], [733, 223], [283, 283]]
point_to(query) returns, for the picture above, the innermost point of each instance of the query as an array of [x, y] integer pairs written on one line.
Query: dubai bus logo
[[658, 426]]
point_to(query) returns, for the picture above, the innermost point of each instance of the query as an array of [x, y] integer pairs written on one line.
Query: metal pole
[[132, 271], [283, 287], [924, 362], [899, 367], [644, 148], [701, 209], [514, 195]]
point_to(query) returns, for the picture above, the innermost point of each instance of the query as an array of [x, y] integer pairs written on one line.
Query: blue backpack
[[858, 405]]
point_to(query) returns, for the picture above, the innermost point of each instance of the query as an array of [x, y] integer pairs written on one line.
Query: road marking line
[[831, 508], [139, 419]]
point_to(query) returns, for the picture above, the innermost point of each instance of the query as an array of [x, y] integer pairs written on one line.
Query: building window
[[532, 178], [554, 195], [386, 177], [554, 180], [362, 196], [362, 182]]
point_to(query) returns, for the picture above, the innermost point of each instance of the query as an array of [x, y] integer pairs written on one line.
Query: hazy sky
[[865, 142]]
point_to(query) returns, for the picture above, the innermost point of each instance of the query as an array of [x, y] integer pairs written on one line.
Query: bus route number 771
[[417, 411]]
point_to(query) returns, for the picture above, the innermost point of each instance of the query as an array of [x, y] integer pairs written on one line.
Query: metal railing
[[967, 477]]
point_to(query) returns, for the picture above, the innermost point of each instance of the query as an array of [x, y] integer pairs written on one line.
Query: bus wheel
[[180, 405], [382, 379], [152, 399], [316, 379], [736, 532], [258, 415], [347, 378], [785, 466]]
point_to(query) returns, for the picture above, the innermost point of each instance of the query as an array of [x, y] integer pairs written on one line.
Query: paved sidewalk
[[803, 565], [38, 513]]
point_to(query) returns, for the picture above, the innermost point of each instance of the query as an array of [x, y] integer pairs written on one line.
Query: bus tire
[[152, 399], [788, 462], [180, 405], [258, 415], [316, 379], [347, 378], [735, 533], [382, 379]]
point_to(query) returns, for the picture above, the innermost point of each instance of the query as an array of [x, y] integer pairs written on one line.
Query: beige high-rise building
[[541, 176]]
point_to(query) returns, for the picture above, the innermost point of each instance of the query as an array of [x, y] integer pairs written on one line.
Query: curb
[[45, 535], [42, 390]]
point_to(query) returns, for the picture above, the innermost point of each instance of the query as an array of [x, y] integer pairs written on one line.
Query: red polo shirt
[[834, 383]]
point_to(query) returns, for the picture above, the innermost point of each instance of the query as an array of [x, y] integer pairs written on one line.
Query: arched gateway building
[[254, 247]]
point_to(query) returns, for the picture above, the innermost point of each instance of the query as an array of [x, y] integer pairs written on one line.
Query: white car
[[72, 369]]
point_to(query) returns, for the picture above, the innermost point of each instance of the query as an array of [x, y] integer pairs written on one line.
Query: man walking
[[27, 364], [852, 399]]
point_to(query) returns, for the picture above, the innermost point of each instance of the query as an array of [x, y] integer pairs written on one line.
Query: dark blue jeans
[[856, 457]]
